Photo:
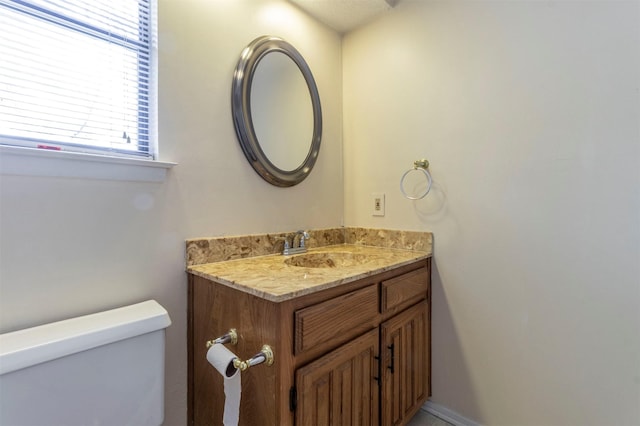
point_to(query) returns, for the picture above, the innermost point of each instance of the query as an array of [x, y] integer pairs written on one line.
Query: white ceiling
[[344, 15]]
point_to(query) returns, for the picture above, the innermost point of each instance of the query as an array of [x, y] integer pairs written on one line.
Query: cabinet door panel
[[405, 364], [339, 388]]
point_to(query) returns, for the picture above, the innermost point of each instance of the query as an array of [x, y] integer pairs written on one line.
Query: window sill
[[39, 162]]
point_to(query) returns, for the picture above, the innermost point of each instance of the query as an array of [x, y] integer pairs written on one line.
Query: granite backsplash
[[219, 249]]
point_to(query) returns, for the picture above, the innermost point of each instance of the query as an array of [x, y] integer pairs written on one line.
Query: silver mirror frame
[[243, 122]]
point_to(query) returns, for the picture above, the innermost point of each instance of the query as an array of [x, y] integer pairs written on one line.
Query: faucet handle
[[286, 241]]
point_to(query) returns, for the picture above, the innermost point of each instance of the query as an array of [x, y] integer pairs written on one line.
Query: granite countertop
[[273, 278]]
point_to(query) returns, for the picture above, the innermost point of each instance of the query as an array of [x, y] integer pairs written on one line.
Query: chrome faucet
[[300, 237]]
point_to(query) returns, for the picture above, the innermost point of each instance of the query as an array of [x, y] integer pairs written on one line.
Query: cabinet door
[[405, 368], [340, 388]]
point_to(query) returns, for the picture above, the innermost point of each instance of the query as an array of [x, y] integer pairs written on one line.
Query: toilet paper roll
[[221, 359]]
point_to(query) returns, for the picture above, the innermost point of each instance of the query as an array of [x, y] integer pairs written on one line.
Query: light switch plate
[[377, 203]]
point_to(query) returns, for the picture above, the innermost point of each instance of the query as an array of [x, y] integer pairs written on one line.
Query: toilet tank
[[100, 369]]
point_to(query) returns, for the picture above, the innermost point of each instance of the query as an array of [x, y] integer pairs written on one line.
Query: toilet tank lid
[[31, 346]]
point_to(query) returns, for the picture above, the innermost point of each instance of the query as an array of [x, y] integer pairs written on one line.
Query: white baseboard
[[447, 415]]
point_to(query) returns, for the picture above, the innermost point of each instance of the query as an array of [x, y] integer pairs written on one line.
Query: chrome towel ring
[[422, 166]]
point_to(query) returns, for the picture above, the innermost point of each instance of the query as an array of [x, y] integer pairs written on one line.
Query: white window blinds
[[76, 75]]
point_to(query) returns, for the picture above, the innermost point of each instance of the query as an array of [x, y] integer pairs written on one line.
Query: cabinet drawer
[[335, 321], [402, 291]]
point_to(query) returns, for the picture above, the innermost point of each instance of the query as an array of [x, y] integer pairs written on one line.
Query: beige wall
[[72, 246], [529, 112]]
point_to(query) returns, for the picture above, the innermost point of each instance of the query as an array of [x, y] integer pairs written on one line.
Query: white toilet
[[101, 369]]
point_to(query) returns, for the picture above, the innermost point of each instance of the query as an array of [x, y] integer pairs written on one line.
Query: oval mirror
[[276, 111]]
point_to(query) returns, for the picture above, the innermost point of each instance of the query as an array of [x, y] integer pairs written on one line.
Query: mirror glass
[[281, 110], [276, 111]]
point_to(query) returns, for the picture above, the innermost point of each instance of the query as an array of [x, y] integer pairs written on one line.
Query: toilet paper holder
[[264, 356], [230, 337]]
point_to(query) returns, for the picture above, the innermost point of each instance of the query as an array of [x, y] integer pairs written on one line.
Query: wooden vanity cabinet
[[356, 354]]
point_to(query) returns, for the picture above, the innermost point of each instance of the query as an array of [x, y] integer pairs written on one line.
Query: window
[[76, 75]]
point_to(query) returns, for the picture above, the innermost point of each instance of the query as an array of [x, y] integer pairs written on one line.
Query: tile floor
[[422, 418]]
